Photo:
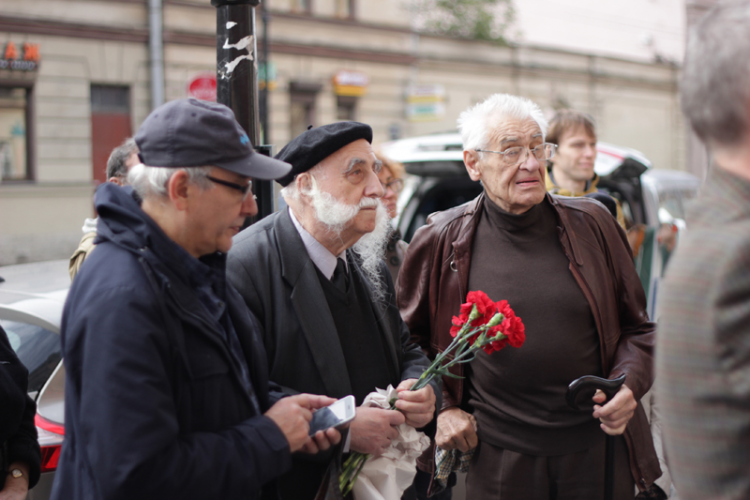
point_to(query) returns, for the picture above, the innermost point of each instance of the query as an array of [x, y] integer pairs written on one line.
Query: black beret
[[316, 144]]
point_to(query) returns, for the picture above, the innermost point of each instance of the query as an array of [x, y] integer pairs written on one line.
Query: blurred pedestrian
[[703, 372], [122, 158], [571, 171], [565, 267], [20, 457], [391, 176], [324, 296], [167, 392]]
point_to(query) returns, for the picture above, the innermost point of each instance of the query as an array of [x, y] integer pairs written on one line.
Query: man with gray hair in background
[[313, 275], [122, 158], [565, 267], [703, 354]]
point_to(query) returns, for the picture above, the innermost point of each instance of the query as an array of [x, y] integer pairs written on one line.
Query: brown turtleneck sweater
[[518, 395]]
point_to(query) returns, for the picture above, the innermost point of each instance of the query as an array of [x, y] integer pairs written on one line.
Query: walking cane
[[609, 388]]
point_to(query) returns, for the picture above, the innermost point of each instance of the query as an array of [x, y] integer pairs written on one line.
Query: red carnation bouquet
[[481, 324]]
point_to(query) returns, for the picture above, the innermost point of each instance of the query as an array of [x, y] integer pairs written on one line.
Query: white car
[[31, 304]]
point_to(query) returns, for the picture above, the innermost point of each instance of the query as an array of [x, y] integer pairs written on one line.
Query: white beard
[[371, 247]]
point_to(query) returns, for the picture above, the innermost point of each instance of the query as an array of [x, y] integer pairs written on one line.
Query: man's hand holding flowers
[[417, 406], [373, 428], [616, 414]]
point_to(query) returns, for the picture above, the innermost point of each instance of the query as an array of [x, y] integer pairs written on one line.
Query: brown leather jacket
[[434, 279]]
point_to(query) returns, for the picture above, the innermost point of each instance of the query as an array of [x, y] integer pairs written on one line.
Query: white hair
[[475, 125], [152, 181], [290, 191]]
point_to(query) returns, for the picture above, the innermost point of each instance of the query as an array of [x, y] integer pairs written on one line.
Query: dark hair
[[566, 120], [116, 163]]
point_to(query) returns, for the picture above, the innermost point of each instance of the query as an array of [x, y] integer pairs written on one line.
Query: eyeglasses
[[518, 154], [396, 185], [242, 188]]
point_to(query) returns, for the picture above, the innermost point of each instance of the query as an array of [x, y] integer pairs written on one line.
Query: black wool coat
[[270, 267]]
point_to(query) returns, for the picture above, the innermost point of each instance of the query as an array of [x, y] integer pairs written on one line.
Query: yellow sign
[[350, 83]]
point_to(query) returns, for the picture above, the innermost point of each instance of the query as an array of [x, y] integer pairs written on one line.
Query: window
[[346, 108], [302, 6], [110, 124], [15, 146], [302, 106], [345, 9]]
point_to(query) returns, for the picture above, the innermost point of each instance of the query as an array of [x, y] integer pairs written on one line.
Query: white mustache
[[368, 202]]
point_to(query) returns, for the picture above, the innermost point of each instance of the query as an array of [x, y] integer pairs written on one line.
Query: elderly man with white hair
[[565, 267], [313, 275]]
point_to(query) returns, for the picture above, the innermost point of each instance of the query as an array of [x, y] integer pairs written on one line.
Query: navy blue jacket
[[154, 404]]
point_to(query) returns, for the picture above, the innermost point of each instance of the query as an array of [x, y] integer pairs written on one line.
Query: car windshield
[[37, 348]]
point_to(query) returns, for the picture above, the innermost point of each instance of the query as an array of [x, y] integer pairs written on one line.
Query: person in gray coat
[[703, 339], [314, 277]]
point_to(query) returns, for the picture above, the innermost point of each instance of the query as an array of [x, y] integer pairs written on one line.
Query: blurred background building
[[76, 79]]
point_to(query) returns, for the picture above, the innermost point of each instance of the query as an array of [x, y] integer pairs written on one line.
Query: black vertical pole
[[237, 78], [264, 111]]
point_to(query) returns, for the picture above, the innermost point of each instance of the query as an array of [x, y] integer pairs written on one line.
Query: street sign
[[203, 87], [425, 102]]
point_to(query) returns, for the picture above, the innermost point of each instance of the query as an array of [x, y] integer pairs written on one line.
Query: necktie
[[339, 275]]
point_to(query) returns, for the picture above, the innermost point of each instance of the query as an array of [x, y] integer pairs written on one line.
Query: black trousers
[[498, 474]]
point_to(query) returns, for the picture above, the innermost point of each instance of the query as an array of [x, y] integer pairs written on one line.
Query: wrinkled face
[[216, 214], [514, 188], [390, 198], [576, 155], [350, 175]]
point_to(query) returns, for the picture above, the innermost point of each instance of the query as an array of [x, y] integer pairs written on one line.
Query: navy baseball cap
[[193, 133]]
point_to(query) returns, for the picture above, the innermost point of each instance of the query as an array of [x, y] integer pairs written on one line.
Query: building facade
[[79, 81]]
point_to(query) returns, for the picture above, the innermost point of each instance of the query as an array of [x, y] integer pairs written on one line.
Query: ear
[[471, 160], [179, 190], [115, 180], [304, 182]]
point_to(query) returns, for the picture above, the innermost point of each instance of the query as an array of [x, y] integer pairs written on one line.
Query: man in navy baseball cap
[[165, 363]]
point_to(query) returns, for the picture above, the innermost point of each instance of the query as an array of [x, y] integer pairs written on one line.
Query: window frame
[[29, 115]]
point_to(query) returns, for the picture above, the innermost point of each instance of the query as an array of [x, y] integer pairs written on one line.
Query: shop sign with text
[[20, 56]]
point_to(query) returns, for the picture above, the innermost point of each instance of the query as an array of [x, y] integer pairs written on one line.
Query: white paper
[[387, 476]]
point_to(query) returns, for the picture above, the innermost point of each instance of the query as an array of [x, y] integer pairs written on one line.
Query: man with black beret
[[167, 392], [314, 277]]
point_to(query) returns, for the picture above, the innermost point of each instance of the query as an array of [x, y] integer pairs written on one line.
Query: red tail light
[[50, 447], [50, 457]]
